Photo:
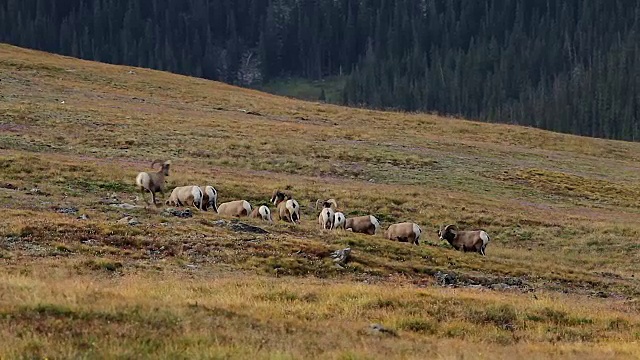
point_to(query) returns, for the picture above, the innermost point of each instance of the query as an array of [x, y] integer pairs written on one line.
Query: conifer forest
[[570, 66]]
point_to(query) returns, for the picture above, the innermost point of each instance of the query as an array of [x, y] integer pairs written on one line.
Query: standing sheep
[[404, 232], [327, 215], [153, 182], [339, 220], [475, 240], [367, 224]]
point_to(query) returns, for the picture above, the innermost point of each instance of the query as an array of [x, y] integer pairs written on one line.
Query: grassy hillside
[[558, 279]]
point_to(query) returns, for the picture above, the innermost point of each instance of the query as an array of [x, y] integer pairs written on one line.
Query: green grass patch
[[307, 89]]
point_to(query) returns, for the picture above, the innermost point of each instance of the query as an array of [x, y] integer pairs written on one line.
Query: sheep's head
[[278, 197], [327, 203], [448, 232], [165, 166], [330, 203]]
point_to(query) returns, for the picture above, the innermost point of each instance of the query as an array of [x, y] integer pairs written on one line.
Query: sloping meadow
[[562, 213]]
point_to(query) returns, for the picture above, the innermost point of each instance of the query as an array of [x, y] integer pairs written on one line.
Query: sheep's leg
[[153, 198], [142, 190], [163, 198]]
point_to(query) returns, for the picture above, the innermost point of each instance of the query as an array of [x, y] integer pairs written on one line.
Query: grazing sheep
[[262, 212], [338, 221], [475, 240], [236, 208], [288, 208], [185, 195], [210, 198], [367, 224], [153, 182], [404, 232]]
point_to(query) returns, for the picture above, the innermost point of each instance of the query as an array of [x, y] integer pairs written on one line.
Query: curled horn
[[157, 161], [331, 202], [450, 227], [317, 202]]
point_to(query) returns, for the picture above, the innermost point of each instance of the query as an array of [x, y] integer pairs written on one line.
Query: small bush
[[557, 317], [279, 296], [456, 331], [102, 264], [618, 324], [381, 304], [419, 325], [503, 316], [63, 248]]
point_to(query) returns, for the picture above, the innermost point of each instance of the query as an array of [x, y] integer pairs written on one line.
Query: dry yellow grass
[[558, 281], [221, 314]]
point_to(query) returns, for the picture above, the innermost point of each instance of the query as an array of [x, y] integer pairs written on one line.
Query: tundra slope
[[574, 213]]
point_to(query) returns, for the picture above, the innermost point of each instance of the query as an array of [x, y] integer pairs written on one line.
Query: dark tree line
[[570, 65]]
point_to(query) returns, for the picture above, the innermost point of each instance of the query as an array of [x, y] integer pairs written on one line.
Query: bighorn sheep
[[288, 208], [338, 221], [326, 218], [153, 182], [327, 215], [367, 224], [475, 240], [236, 208], [210, 198], [185, 195], [404, 232], [262, 212]]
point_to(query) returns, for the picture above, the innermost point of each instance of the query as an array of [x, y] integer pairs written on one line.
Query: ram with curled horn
[[465, 241], [153, 182]]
